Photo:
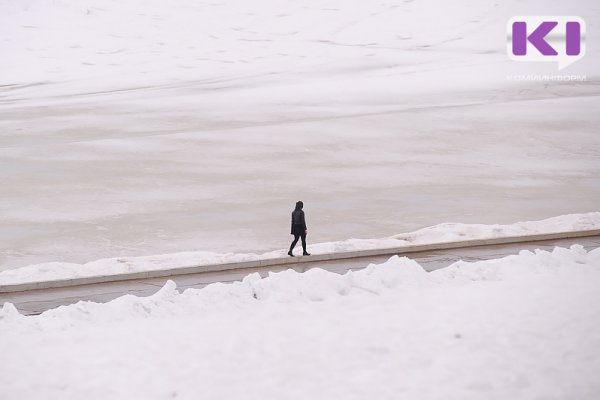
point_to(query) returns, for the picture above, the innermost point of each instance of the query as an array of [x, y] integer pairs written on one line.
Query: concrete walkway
[[31, 302]]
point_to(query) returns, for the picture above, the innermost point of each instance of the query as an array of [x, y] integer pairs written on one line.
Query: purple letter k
[[520, 38]]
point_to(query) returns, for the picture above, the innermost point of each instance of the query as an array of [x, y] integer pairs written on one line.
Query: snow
[[520, 327], [131, 128], [447, 232]]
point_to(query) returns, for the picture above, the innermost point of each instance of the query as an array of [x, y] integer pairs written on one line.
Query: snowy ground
[[130, 128], [521, 327]]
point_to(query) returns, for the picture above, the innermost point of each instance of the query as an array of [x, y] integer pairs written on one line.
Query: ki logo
[[546, 39]]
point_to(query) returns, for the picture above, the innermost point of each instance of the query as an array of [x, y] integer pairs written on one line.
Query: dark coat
[[298, 222]]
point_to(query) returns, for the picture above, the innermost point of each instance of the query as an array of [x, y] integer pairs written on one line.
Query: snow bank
[[527, 264], [520, 327], [440, 233], [319, 285], [449, 232]]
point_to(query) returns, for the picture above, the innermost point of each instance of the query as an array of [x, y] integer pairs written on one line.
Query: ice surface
[[520, 327], [132, 128]]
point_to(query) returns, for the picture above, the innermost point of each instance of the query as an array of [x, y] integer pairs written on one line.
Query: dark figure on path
[[298, 229]]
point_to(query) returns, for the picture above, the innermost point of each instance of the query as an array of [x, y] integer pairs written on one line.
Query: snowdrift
[[520, 327], [320, 285]]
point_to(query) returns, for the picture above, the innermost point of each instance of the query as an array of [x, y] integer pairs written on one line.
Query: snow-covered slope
[[521, 327]]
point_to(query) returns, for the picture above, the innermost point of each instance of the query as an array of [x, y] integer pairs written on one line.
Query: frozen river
[[375, 141], [93, 180]]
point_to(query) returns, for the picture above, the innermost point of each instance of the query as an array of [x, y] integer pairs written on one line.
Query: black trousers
[[296, 237]]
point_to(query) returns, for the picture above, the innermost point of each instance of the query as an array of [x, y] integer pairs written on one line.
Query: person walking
[[298, 229]]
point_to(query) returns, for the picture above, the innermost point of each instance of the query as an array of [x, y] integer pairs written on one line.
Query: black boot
[[305, 253], [290, 253]]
